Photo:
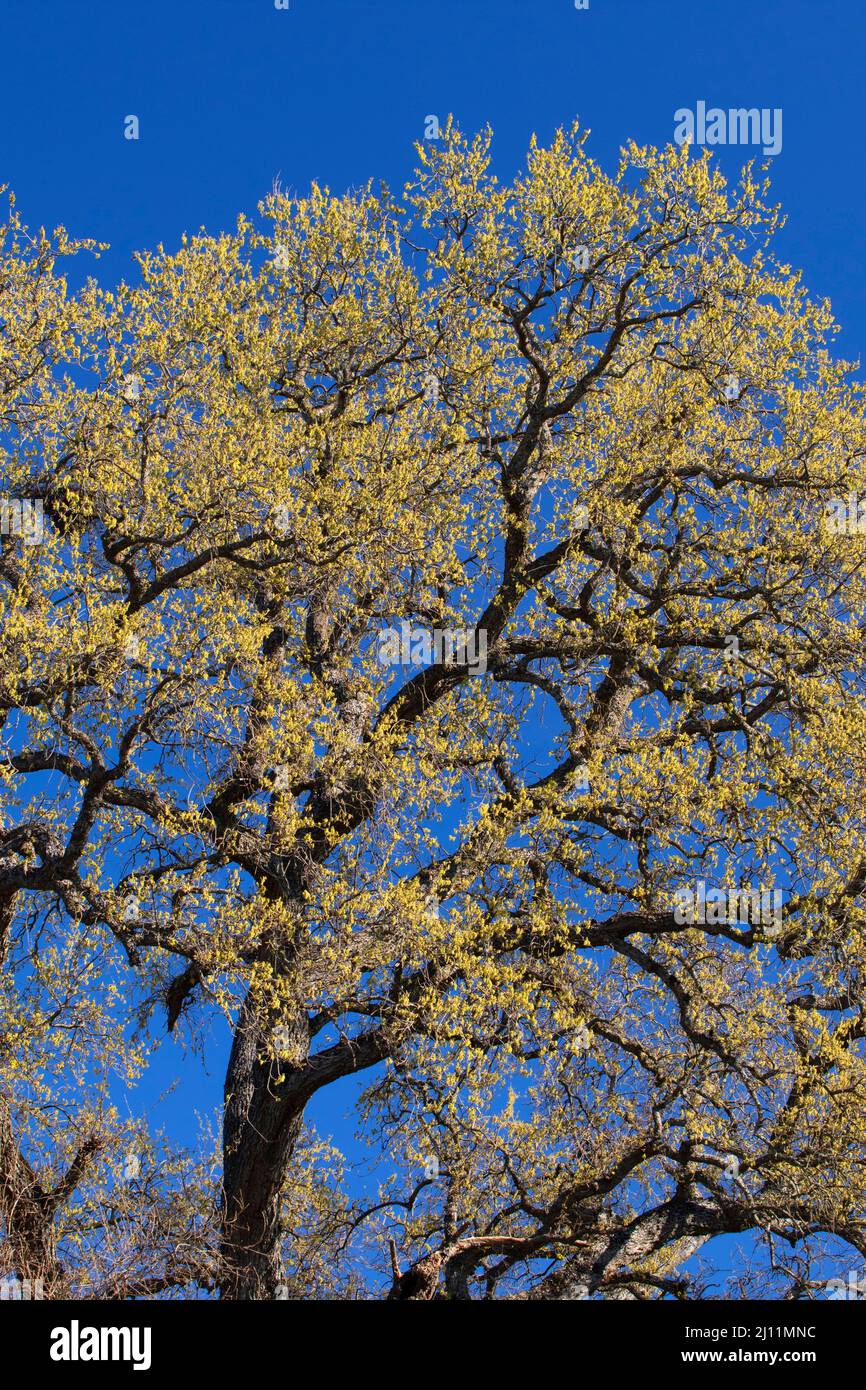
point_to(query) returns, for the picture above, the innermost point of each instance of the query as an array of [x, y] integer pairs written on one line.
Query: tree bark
[[261, 1122]]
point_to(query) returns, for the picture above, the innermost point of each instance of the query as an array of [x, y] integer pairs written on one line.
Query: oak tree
[[591, 425]]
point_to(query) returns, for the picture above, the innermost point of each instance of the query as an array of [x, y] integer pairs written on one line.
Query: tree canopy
[[590, 426]]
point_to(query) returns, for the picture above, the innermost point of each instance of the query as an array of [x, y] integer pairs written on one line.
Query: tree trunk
[[261, 1123]]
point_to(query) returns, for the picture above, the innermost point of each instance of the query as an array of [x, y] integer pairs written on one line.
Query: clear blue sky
[[231, 93]]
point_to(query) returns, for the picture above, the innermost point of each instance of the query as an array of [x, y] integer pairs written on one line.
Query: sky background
[[231, 94]]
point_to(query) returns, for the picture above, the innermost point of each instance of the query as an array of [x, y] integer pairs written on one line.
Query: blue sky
[[233, 93]]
